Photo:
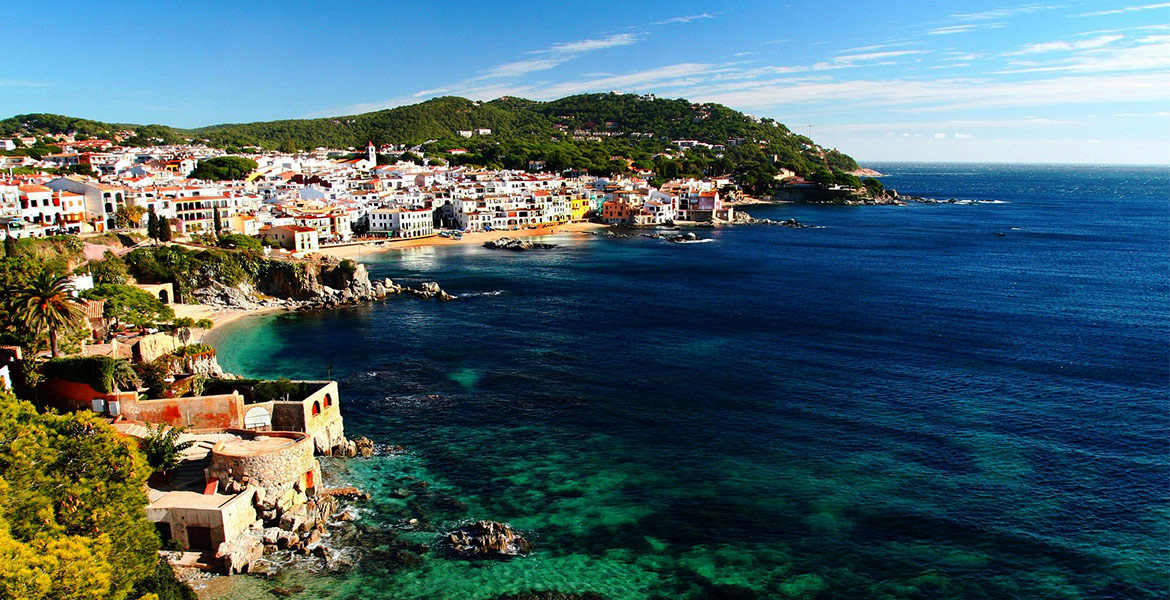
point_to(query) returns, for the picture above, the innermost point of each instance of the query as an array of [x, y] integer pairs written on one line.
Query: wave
[[490, 293], [695, 241]]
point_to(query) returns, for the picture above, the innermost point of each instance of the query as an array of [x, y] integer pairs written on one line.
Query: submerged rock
[[487, 539]]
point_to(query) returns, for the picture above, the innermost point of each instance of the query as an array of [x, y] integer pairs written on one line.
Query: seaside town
[[300, 202]]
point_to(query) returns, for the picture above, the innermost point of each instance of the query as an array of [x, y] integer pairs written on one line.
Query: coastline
[[220, 317], [475, 238]]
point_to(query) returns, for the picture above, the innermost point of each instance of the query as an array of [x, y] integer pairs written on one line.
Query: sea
[[965, 400]]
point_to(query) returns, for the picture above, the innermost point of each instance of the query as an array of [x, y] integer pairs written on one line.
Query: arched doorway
[[164, 297]]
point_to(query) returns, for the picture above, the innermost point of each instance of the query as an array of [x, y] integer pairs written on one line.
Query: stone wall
[[279, 469], [221, 411]]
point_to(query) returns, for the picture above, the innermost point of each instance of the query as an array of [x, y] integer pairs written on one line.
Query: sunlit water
[[903, 404]]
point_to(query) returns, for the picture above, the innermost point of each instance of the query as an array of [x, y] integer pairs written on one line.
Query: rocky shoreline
[[309, 291]]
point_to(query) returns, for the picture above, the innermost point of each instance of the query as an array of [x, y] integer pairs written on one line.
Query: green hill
[[560, 133]]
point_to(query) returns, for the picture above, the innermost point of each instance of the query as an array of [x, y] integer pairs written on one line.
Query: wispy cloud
[[1001, 13], [1128, 9], [21, 83], [684, 19], [556, 55], [911, 95], [1150, 53], [1088, 44], [871, 56], [952, 29]]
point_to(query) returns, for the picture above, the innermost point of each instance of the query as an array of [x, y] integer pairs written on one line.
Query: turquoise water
[[903, 404]]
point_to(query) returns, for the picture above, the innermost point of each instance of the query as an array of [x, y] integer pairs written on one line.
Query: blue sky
[[1073, 81]]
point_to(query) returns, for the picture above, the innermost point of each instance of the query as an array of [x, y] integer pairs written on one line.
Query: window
[[316, 408]]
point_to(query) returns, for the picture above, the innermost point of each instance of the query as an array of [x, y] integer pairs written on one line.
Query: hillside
[[521, 129]]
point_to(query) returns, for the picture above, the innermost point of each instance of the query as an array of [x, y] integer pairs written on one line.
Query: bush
[[95, 371]]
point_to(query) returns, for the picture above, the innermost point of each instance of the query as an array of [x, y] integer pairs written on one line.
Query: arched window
[[328, 400], [316, 408]]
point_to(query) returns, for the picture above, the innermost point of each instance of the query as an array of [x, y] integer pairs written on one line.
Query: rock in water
[[487, 539], [507, 243]]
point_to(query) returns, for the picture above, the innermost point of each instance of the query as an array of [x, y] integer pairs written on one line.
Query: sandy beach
[[475, 239], [219, 316]]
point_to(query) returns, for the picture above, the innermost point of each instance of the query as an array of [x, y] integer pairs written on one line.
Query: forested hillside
[[583, 132]]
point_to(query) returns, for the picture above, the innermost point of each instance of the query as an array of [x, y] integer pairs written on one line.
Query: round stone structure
[[272, 460]]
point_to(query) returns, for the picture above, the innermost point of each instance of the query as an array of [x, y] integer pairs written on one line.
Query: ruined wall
[[198, 412]]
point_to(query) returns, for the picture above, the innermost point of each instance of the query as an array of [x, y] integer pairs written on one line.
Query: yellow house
[[579, 206]]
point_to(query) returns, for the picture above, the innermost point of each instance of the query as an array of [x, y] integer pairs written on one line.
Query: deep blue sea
[[901, 404]]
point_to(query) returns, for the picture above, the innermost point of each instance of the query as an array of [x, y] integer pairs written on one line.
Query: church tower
[[372, 153]]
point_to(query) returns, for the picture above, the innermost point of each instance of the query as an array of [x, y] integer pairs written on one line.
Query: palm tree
[[47, 303]]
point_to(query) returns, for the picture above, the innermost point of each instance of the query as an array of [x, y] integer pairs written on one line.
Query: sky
[[1065, 82]]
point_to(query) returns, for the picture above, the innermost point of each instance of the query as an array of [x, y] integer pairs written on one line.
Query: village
[[304, 201]]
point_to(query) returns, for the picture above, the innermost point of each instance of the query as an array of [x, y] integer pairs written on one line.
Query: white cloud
[[952, 29], [939, 136], [556, 55], [851, 58], [1127, 9], [1146, 54], [945, 94], [684, 19], [963, 136], [20, 83], [619, 39], [1001, 13], [1088, 44]]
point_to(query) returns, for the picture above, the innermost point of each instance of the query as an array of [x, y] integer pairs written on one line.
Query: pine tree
[[10, 249], [164, 230], [218, 222]]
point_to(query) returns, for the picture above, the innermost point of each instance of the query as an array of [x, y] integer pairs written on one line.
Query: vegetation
[[46, 304], [103, 373], [194, 350], [223, 168], [560, 134], [162, 447], [72, 508], [239, 241], [128, 305], [129, 216]]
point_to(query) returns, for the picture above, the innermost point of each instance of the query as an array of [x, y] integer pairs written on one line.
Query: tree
[[217, 221], [47, 303], [164, 230], [205, 325], [239, 241], [11, 247], [223, 168], [162, 447], [110, 269], [873, 187], [152, 224], [72, 507], [126, 304]]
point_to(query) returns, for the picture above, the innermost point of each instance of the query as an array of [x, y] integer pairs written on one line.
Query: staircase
[[189, 473]]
